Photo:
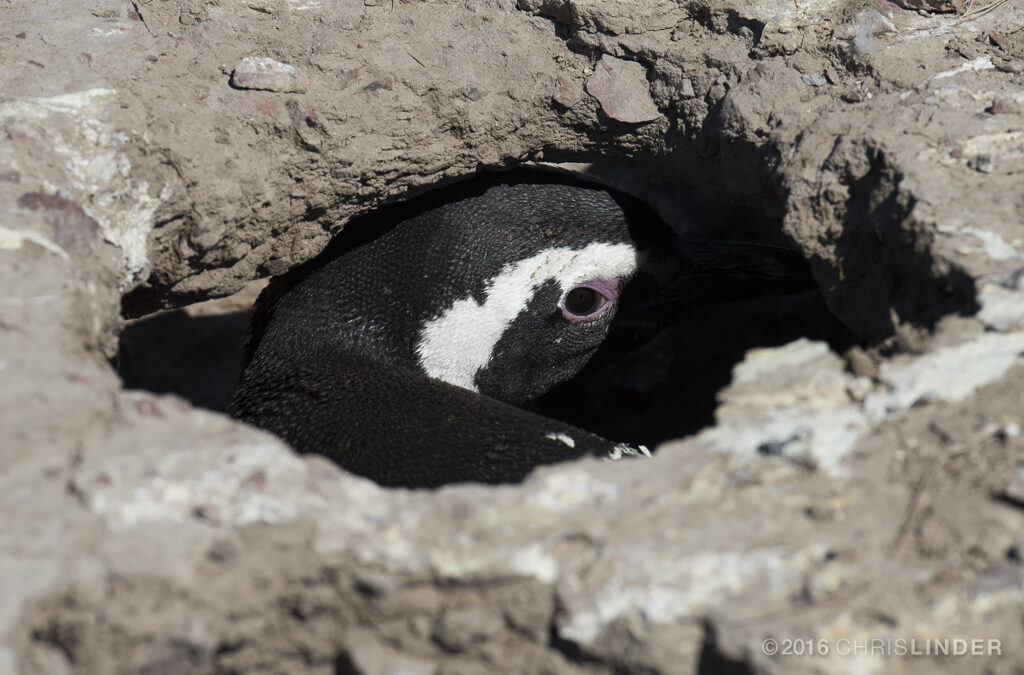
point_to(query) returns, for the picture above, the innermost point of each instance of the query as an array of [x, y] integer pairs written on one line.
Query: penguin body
[[407, 356]]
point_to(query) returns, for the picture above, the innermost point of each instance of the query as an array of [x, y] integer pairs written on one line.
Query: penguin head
[[540, 321], [510, 284], [542, 263]]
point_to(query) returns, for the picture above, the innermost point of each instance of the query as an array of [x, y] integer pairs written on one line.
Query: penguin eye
[[589, 300]]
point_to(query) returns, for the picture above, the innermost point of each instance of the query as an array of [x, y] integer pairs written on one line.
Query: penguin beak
[[698, 272], [725, 271]]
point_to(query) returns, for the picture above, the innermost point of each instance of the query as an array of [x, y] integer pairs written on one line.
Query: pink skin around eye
[[606, 288]]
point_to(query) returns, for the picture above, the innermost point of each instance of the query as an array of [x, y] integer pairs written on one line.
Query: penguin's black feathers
[[399, 428], [406, 349]]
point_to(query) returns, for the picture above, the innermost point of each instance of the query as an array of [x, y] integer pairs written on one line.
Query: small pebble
[[814, 80], [861, 363], [1000, 106], [982, 163], [382, 83], [566, 91], [260, 72], [995, 38], [621, 87], [1013, 491], [263, 6], [851, 95]]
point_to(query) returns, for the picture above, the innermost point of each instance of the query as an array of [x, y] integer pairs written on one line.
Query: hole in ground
[[666, 389], [194, 352]]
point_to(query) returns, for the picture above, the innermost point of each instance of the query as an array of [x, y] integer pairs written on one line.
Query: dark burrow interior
[[666, 389]]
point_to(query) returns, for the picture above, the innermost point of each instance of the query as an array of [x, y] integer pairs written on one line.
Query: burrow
[[668, 388]]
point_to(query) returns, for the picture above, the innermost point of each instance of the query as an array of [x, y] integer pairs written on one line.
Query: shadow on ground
[[195, 357], [668, 388]]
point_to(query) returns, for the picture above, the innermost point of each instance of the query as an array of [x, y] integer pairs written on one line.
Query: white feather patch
[[565, 438], [458, 343], [624, 450]]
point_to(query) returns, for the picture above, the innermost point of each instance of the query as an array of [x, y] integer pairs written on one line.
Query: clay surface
[[155, 154]]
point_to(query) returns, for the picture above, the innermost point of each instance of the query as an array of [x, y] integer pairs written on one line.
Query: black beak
[[696, 272], [723, 271]]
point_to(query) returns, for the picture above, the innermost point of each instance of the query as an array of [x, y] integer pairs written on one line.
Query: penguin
[[410, 350]]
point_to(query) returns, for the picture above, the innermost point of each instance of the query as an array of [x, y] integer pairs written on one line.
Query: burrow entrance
[[664, 390]]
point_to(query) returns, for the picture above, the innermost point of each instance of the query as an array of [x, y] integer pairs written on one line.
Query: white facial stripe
[[458, 343]]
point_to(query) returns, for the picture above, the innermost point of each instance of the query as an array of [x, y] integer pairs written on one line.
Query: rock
[[1013, 491], [367, 656], [1002, 305], [791, 401], [1002, 106], [459, 628], [852, 95], [622, 90], [932, 5], [261, 72], [949, 373], [982, 163], [566, 91]]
